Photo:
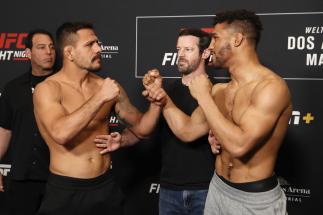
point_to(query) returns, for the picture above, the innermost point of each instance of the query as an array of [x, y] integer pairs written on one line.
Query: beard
[[93, 65], [185, 67], [219, 59]]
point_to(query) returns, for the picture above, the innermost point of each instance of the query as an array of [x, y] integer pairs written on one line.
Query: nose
[[97, 48], [180, 52], [49, 49], [211, 45]]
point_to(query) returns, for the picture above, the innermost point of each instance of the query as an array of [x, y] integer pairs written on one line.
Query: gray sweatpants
[[223, 199]]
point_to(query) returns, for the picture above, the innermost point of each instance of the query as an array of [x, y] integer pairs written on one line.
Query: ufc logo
[[5, 169], [7, 40]]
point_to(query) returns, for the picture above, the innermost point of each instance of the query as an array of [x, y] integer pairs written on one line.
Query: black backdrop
[[138, 35]]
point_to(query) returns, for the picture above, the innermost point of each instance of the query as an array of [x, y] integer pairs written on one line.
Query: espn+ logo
[[297, 118]]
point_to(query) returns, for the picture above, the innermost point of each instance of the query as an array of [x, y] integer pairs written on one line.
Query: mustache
[[96, 57], [182, 59]]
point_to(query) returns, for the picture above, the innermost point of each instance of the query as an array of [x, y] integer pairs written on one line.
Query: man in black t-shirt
[[29, 153], [187, 167]]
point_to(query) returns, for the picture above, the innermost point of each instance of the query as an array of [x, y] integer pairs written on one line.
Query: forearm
[[70, 125], [176, 119], [181, 124], [128, 138], [147, 122]]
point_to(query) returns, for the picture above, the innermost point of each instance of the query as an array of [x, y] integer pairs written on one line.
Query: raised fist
[[152, 77], [110, 89]]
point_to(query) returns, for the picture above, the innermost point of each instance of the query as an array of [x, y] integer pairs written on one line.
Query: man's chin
[[184, 72], [95, 69], [47, 66]]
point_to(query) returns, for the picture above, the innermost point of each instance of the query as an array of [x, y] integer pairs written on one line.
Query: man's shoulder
[[20, 79], [21, 82], [49, 85], [273, 90], [270, 77], [271, 82]]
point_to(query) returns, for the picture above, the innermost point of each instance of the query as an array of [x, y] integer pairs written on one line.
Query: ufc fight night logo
[[12, 47]]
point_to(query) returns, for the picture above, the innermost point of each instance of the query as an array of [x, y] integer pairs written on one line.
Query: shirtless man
[[248, 116], [71, 109]]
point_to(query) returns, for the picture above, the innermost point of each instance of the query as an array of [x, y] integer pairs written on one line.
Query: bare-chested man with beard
[[71, 109], [248, 116]]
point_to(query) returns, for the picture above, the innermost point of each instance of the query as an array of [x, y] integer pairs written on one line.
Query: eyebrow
[[43, 44], [185, 47], [91, 41]]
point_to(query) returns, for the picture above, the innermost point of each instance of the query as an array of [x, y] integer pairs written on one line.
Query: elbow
[[60, 137], [142, 136], [185, 137], [241, 149], [142, 133], [138, 133], [60, 140], [238, 153]]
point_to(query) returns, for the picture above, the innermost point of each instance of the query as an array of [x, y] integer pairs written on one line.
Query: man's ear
[[28, 53], [68, 52], [238, 38]]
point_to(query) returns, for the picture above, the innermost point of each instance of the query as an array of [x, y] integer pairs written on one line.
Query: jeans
[[185, 202]]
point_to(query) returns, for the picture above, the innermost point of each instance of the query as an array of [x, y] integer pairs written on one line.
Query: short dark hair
[[204, 38], [65, 33], [247, 22], [32, 33]]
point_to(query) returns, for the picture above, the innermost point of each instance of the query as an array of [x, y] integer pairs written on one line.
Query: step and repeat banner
[[139, 35]]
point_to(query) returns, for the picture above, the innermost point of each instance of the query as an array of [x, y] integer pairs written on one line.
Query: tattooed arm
[[141, 124]]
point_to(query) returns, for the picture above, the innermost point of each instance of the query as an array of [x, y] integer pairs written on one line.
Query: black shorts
[[66, 195]]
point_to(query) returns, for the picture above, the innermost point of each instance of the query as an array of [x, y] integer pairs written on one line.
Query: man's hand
[[200, 86], [109, 89], [156, 95], [154, 92], [108, 142], [214, 143], [152, 77], [1, 183]]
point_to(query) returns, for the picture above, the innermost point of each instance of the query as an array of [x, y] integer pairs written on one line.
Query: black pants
[[66, 195], [24, 197]]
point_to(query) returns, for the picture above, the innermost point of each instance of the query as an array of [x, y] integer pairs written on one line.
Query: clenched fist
[[110, 89], [152, 77], [154, 92]]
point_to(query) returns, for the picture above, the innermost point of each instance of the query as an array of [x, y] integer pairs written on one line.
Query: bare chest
[[233, 102]]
